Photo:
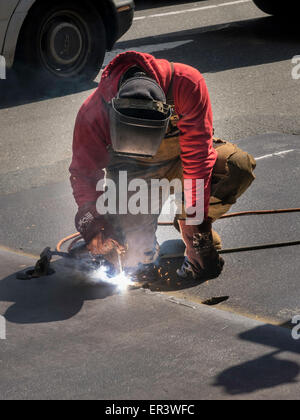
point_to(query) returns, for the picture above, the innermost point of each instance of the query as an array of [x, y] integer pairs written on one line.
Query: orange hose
[[67, 239]]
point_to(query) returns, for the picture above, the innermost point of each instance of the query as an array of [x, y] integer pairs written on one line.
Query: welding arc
[[77, 237]]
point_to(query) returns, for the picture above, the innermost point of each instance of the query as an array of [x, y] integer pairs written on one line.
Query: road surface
[[79, 339]]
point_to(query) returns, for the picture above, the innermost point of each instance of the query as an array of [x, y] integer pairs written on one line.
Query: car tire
[[272, 7], [63, 42]]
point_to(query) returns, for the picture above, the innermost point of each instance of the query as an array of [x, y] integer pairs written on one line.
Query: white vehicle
[[276, 8], [62, 39]]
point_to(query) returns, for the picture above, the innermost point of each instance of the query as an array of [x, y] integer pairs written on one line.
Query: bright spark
[[121, 281]]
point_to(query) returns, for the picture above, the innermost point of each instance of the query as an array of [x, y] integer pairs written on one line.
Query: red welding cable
[[258, 212], [246, 213], [77, 237]]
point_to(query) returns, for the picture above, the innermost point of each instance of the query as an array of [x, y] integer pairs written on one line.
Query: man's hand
[[102, 245], [97, 232]]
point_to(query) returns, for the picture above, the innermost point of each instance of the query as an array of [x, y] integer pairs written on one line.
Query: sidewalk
[[69, 341]]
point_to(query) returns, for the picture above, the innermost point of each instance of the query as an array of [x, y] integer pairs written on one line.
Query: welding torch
[[119, 253]]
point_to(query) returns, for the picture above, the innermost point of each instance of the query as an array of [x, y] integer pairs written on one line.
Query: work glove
[[97, 232], [104, 244], [200, 251]]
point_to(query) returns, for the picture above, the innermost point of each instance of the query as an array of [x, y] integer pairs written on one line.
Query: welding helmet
[[139, 117]]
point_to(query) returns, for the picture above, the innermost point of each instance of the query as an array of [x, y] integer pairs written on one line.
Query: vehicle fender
[[13, 30]]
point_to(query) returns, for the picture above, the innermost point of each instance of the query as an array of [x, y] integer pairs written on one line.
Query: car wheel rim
[[64, 44]]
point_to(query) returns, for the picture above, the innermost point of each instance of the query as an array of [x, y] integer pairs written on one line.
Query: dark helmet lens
[[144, 114]]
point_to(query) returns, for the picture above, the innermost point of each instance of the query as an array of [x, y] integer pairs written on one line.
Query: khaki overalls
[[232, 176]]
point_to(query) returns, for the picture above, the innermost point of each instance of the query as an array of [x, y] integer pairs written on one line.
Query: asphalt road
[[244, 55], [246, 58]]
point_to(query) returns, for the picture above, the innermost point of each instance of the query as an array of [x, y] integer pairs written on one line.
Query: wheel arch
[[13, 30], [104, 8], [107, 11]]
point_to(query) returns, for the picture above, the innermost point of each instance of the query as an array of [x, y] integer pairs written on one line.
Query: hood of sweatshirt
[[158, 69]]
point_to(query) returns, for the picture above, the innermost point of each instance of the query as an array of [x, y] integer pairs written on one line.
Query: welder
[[153, 120]]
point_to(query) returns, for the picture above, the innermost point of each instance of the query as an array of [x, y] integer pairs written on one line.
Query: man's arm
[[198, 159], [90, 157], [196, 126]]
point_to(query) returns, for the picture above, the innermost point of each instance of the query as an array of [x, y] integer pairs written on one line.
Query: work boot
[[186, 271]]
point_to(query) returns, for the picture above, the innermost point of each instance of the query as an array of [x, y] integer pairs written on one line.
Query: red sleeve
[[90, 157], [196, 126]]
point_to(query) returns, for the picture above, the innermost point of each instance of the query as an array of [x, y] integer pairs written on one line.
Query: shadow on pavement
[[49, 299], [267, 371], [224, 47], [61, 296], [150, 4], [15, 90]]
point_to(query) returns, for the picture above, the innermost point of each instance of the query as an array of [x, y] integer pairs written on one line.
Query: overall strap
[[173, 131], [170, 96]]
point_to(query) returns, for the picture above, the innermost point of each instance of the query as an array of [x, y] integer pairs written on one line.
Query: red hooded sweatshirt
[[192, 104]]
